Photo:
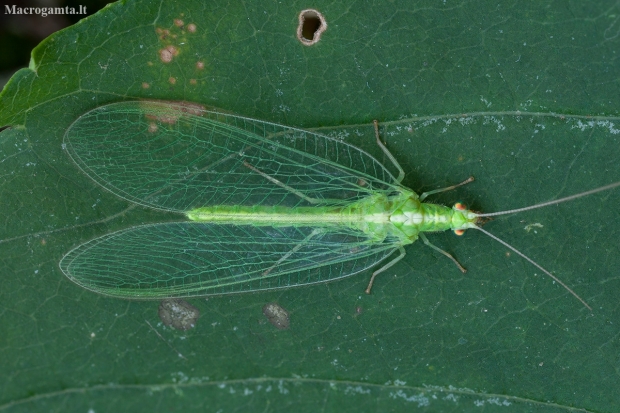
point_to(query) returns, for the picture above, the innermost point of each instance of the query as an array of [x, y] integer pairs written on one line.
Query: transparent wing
[[181, 259], [176, 156]]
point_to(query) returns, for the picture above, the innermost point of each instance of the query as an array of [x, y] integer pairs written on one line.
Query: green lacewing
[[264, 206]]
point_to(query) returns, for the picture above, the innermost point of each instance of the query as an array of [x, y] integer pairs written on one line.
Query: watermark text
[[44, 11]]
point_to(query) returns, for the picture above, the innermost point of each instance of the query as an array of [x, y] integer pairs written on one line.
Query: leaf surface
[[525, 97]]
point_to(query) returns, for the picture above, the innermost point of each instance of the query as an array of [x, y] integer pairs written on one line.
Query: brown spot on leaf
[[172, 80], [145, 85], [171, 113], [191, 28], [167, 119], [152, 127], [178, 22], [192, 81], [191, 108], [162, 33], [166, 55], [200, 65]]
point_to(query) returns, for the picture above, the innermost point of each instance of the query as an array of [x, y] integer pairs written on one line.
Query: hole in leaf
[[311, 25]]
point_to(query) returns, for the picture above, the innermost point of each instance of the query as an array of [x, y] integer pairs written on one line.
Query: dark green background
[[523, 96]]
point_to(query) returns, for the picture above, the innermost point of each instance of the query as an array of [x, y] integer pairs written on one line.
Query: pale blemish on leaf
[[172, 80], [192, 81], [529, 227], [277, 315], [178, 22], [191, 28], [200, 65], [178, 314], [145, 85]]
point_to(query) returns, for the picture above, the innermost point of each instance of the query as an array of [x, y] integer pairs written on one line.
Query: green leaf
[[525, 97]]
